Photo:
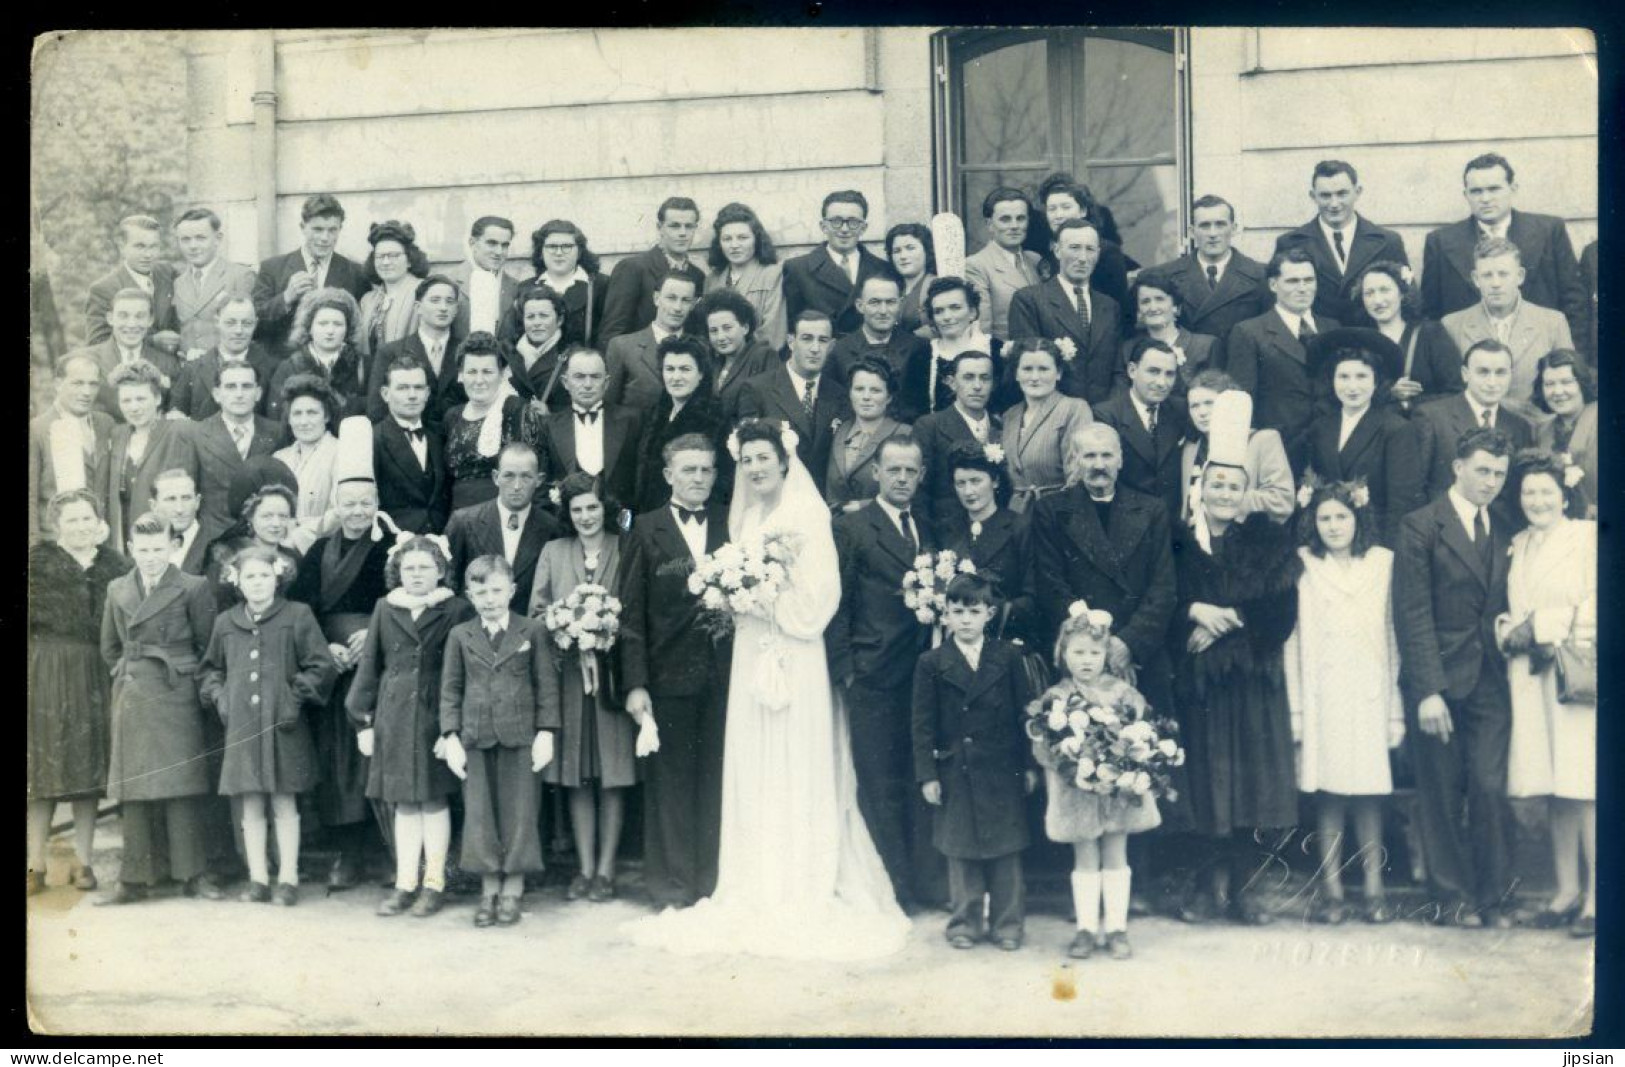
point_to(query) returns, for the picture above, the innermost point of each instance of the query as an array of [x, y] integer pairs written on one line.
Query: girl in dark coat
[[394, 703], [67, 681], [1237, 607], [266, 660]]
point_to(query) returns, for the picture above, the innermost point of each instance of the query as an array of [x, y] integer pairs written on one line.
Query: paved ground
[[329, 966]]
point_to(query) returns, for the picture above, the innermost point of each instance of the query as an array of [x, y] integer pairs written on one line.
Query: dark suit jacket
[[348, 379], [662, 647], [1436, 364], [701, 415], [874, 637], [106, 355], [629, 297], [771, 396], [1382, 450], [632, 371], [1266, 360], [507, 289], [99, 301], [757, 358], [1149, 467], [1004, 552], [812, 280], [1126, 568], [1588, 279], [275, 314], [1440, 424], [1046, 311], [856, 476], [1371, 243], [938, 434], [583, 311], [417, 498], [217, 461], [476, 531], [502, 695], [898, 351], [622, 429], [1242, 294], [445, 391], [193, 394], [531, 383], [1552, 275], [1444, 603], [169, 446]]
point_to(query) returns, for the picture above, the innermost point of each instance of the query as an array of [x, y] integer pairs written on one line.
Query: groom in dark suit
[[675, 673], [1450, 582], [873, 642], [800, 393]]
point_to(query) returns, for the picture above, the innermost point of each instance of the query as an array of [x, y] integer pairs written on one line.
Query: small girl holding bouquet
[[596, 761], [1104, 763], [394, 704], [266, 660]]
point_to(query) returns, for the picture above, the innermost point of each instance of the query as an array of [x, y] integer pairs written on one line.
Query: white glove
[[363, 741], [455, 757], [648, 737], [541, 750]]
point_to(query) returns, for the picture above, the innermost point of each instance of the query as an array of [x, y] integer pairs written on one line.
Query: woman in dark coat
[[995, 538], [394, 705], [266, 661], [1237, 607], [324, 341], [1425, 363], [686, 406], [1366, 440], [67, 681], [145, 445], [492, 417], [564, 264], [728, 323], [534, 357]]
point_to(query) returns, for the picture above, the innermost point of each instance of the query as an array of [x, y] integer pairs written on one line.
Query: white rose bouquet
[[586, 621], [925, 584], [742, 579], [1104, 748]]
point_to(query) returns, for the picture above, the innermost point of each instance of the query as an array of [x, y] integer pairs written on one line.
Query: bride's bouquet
[[587, 620], [1105, 747], [741, 579], [925, 585]]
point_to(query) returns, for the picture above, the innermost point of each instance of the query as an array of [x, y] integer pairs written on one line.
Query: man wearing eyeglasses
[[507, 526], [830, 277]]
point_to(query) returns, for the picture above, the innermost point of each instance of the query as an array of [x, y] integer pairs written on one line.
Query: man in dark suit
[[800, 393], [677, 676], [1267, 356], [830, 276], [1588, 275], [139, 248], [434, 345], [1340, 240], [175, 500], [485, 288], [234, 321], [966, 420], [1217, 285], [282, 280], [408, 456], [879, 300], [507, 526], [590, 435], [632, 359], [1450, 582], [1487, 371], [226, 441], [1152, 430], [629, 300], [130, 319], [873, 643], [1079, 318], [1552, 276]]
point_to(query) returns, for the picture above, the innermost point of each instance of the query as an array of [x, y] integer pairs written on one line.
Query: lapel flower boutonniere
[[994, 452], [1360, 496], [835, 425], [554, 496], [1179, 356], [524, 647], [1068, 348], [1306, 493], [1405, 275], [163, 380], [1573, 475]]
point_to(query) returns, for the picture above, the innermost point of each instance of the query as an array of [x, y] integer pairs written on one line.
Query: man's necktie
[[588, 417], [1342, 252], [1083, 304], [1481, 540], [807, 395], [513, 520], [416, 433], [849, 266], [908, 531], [1213, 275], [239, 434], [1151, 418], [687, 515], [1305, 331], [197, 277], [1484, 420]]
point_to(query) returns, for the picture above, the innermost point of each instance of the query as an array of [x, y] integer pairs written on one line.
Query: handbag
[[1033, 668], [1576, 666]]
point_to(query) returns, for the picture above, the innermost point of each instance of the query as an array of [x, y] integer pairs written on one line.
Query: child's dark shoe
[[429, 901], [256, 893], [578, 887], [486, 913], [286, 895], [126, 893], [962, 941], [202, 887], [507, 911], [84, 879], [1083, 945], [397, 901], [1117, 946], [602, 890]]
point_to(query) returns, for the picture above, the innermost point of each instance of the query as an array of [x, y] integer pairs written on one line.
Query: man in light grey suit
[[205, 282], [1502, 314], [1002, 266], [486, 290], [634, 371]]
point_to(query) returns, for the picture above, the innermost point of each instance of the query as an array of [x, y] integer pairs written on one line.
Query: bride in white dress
[[798, 875]]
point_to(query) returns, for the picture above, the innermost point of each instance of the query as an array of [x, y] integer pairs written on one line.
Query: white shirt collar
[[1466, 510], [892, 513], [313, 265], [502, 510], [1347, 231], [799, 382], [1142, 407], [1222, 265], [1499, 229], [1479, 409], [1294, 321], [973, 652], [660, 332]]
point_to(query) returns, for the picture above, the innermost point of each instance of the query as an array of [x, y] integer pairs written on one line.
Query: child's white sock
[[287, 839], [254, 840], [513, 885], [436, 843], [1086, 898], [408, 847], [1114, 885]]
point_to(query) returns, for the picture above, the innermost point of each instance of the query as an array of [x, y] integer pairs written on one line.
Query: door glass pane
[[1145, 204], [976, 184], [1127, 100], [1006, 105]]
